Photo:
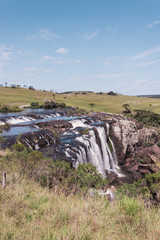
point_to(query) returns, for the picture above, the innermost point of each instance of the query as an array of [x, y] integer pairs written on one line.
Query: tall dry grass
[[29, 211]]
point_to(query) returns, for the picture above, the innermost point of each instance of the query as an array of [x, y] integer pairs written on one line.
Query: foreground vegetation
[[28, 211], [46, 200], [86, 100]]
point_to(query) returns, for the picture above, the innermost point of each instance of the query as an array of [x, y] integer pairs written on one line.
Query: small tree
[[91, 105], [31, 88], [127, 108]]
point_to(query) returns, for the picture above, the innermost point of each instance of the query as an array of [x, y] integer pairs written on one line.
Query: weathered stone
[[111, 177], [144, 171], [133, 168], [137, 176]]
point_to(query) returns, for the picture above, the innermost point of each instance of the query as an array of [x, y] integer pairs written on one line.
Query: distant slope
[[101, 102], [23, 96], [150, 96]]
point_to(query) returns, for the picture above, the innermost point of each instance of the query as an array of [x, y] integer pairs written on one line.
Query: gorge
[[113, 143]]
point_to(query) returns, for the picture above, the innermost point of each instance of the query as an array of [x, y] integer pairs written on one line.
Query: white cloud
[[147, 53], [153, 24], [48, 70], [62, 50], [106, 76], [77, 61], [108, 29], [109, 60], [76, 77], [47, 57], [138, 82], [4, 53], [148, 63], [1, 67], [107, 63], [89, 35], [29, 69], [43, 34], [52, 59]]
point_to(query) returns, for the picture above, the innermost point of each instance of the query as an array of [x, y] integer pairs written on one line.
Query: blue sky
[[96, 45]]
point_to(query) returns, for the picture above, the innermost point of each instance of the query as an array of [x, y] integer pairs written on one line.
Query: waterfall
[[95, 147]]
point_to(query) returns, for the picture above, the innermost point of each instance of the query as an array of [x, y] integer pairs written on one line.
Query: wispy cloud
[[108, 29], [109, 60], [43, 34], [47, 57], [138, 82], [76, 77], [77, 61], [153, 24], [62, 50], [90, 35], [147, 53], [5, 53], [148, 63], [30, 69], [107, 63], [106, 76], [52, 59]]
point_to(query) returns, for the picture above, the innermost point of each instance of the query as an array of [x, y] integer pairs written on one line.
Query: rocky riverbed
[[119, 147]]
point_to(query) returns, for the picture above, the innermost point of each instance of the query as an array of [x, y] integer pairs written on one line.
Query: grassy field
[[102, 102], [22, 96], [28, 211]]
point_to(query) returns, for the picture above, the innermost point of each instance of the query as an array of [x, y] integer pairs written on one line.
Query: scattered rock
[[137, 176], [111, 177]]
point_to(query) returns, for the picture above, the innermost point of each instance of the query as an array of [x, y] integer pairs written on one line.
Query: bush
[[130, 206], [147, 117], [62, 105], [50, 105], [84, 177], [112, 93], [34, 105], [31, 88], [18, 147], [54, 105], [6, 109], [22, 163]]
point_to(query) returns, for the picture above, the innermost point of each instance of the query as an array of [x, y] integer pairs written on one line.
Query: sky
[[87, 45]]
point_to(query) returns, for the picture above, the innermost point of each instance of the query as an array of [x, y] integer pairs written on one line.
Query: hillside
[[101, 102], [31, 211]]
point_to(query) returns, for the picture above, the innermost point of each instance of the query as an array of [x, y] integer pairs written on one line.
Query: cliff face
[[128, 135], [135, 144]]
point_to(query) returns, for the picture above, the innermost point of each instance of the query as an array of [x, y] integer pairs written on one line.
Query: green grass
[[22, 96], [28, 211], [106, 103], [102, 102]]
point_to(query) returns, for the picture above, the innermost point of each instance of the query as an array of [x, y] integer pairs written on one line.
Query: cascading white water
[[78, 123], [93, 150]]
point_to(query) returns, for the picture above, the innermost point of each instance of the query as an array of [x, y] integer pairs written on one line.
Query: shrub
[[62, 105], [50, 105], [18, 147], [31, 88], [130, 206], [84, 177], [112, 93], [147, 117], [127, 108], [34, 105]]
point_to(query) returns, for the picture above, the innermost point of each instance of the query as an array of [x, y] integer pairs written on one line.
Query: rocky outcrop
[[127, 135], [147, 161], [59, 126], [40, 139]]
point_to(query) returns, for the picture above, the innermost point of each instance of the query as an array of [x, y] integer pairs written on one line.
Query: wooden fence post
[[4, 180]]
